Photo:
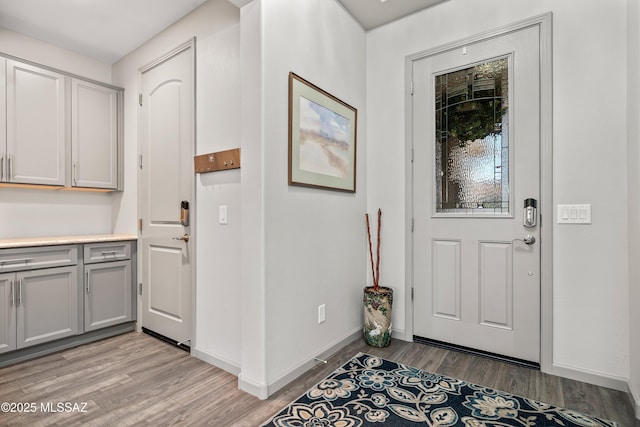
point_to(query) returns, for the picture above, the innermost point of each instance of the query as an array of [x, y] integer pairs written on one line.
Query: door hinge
[[140, 288], [140, 224], [140, 161], [411, 90], [140, 99]]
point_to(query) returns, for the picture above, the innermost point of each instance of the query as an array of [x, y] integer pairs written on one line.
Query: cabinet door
[[36, 122], [7, 313], [94, 135], [107, 299], [47, 304]]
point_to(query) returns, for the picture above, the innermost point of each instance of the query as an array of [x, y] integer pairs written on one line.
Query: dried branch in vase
[[375, 266]]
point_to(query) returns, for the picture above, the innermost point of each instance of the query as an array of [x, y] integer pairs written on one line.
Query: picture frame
[[322, 138]]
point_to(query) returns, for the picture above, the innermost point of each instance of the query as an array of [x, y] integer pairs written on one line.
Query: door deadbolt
[[530, 213]]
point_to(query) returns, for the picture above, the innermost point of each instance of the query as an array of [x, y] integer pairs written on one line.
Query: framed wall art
[[322, 138]]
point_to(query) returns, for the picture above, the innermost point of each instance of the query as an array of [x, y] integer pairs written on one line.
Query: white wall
[[314, 240], [31, 49], [590, 324], [29, 212], [300, 247], [216, 26], [633, 168], [253, 377]]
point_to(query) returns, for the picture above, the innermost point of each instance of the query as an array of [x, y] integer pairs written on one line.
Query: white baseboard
[[591, 377], [303, 367], [259, 390], [400, 334], [263, 391], [216, 360], [635, 397]]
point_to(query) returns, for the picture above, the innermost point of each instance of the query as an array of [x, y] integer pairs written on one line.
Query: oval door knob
[[185, 238]]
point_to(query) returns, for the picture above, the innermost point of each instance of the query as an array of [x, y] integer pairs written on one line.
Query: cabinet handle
[[2, 167], [112, 253], [8, 168], [88, 288], [13, 293], [16, 261], [20, 293]]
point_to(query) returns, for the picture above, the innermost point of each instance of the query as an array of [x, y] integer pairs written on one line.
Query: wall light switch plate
[[321, 313], [574, 214], [222, 215]]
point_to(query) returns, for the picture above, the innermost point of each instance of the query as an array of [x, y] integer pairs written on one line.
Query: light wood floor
[[134, 379]]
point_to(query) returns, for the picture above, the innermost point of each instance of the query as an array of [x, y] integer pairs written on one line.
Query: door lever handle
[[528, 240], [186, 238]]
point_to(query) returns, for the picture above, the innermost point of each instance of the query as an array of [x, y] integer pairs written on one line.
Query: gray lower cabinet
[[107, 296], [7, 313], [107, 284], [47, 305], [38, 306], [52, 297]]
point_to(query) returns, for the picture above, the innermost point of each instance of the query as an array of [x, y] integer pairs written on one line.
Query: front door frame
[[544, 22]]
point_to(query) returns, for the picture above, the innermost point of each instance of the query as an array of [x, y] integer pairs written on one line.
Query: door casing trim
[[544, 23]]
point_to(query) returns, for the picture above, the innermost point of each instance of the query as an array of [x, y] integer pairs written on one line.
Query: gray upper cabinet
[[61, 130], [35, 147], [94, 135]]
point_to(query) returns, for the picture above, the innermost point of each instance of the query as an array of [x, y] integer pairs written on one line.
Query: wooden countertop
[[63, 240]]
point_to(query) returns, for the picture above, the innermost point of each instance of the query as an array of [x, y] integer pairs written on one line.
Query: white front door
[[476, 141], [166, 180]]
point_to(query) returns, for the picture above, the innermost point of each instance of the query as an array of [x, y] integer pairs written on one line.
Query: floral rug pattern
[[371, 391]]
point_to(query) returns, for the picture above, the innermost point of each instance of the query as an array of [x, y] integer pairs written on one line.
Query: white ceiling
[[107, 30], [373, 13]]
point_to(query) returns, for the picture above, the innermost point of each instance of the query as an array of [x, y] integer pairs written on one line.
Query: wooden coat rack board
[[218, 161]]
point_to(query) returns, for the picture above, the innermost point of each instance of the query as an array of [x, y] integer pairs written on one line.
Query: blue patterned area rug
[[370, 391]]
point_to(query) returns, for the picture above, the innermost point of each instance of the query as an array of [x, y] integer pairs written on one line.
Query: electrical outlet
[[321, 313]]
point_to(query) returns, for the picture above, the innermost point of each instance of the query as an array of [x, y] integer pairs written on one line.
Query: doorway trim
[[544, 23]]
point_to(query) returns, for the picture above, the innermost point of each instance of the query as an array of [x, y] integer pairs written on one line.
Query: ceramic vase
[[377, 316]]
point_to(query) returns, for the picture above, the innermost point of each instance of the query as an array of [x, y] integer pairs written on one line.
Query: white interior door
[[476, 140], [166, 180]]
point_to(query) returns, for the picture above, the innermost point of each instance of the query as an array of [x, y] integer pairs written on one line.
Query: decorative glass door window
[[472, 139]]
